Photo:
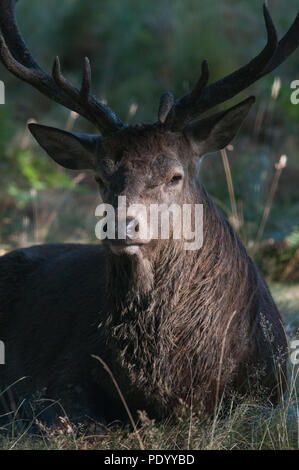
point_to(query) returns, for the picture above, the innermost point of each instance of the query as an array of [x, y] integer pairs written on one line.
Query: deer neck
[[172, 276]]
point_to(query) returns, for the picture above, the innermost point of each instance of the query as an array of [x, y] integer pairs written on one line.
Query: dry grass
[[246, 426], [249, 426]]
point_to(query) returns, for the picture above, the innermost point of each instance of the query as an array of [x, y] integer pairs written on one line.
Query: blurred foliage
[[138, 50]]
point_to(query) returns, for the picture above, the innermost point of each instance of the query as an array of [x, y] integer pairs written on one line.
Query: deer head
[[148, 163]]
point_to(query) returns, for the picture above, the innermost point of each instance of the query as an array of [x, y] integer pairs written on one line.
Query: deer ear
[[216, 132], [69, 149]]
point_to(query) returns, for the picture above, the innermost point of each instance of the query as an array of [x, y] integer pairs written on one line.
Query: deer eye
[[175, 179]]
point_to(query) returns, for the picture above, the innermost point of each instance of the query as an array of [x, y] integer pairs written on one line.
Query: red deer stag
[[173, 325]]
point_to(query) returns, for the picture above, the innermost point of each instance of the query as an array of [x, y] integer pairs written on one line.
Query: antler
[[172, 114], [204, 97], [17, 59]]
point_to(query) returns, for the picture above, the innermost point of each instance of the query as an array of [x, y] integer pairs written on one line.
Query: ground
[[249, 426]]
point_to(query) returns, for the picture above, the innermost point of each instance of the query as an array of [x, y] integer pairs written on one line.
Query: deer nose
[[132, 227], [127, 228]]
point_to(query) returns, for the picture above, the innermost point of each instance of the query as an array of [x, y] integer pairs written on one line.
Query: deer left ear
[[70, 149], [217, 131]]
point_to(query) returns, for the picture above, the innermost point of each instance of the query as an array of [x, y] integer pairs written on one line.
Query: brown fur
[[158, 319]]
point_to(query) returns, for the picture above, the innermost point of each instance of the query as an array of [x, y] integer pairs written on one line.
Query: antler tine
[[231, 85], [86, 81], [185, 109], [17, 59], [72, 91], [62, 82], [15, 67], [286, 46], [226, 88], [13, 38], [203, 80], [166, 103]]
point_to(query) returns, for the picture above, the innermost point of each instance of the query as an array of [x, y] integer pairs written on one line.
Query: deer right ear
[[216, 131], [70, 149]]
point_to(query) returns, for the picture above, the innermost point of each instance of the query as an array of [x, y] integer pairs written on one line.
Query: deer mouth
[[127, 246]]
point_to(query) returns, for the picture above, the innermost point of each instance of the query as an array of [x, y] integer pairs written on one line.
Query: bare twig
[[219, 374], [106, 367], [279, 167], [235, 218]]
